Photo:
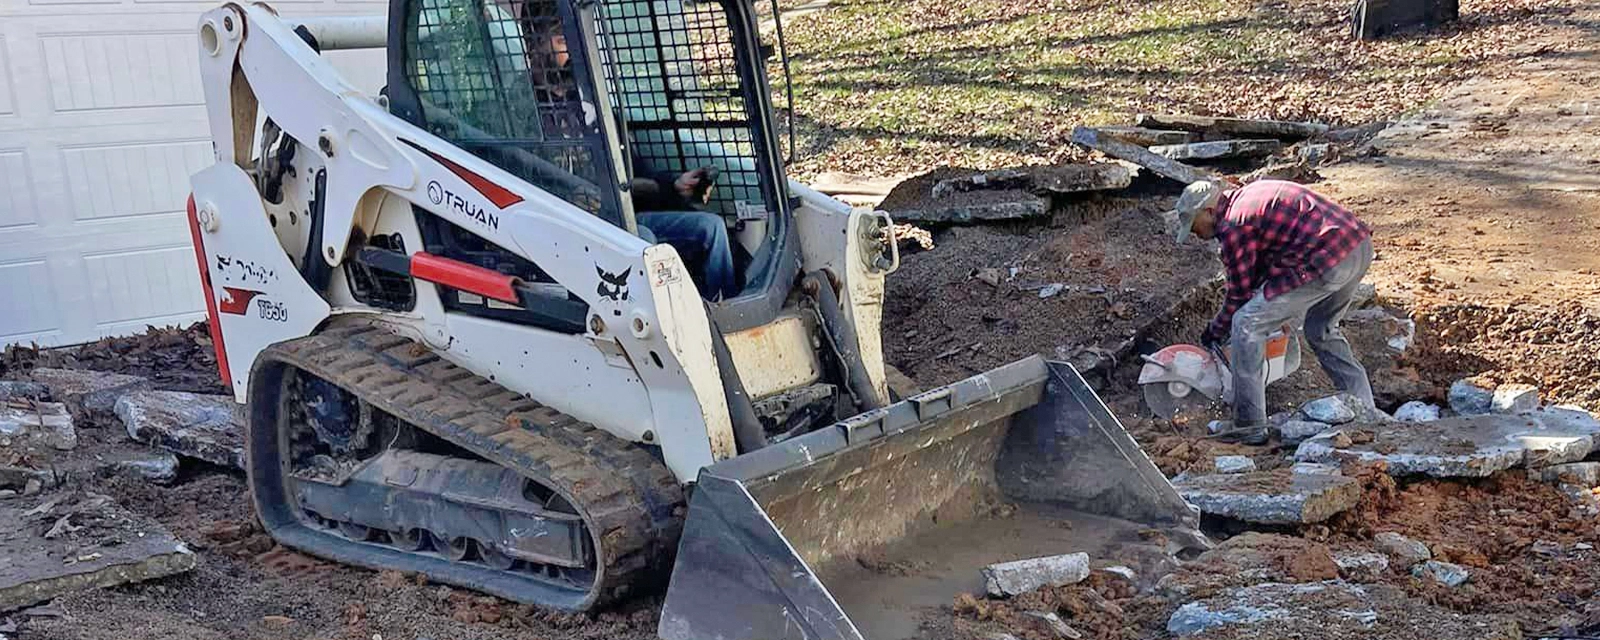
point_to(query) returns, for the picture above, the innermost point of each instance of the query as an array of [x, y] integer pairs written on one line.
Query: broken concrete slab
[[1234, 464], [22, 390], [1297, 431], [1315, 469], [1218, 149], [1417, 411], [1271, 497], [204, 427], [1021, 576], [1405, 551], [1329, 410], [46, 423], [1514, 398], [1469, 398], [1078, 178], [1445, 573], [97, 544], [1232, 126], [1332, 609], [996, 179], [980, 206], [90, 395], [1362, 567], [1583, 474], [1265, 603], [1465, 446], [1164, 167], [1145, 137]]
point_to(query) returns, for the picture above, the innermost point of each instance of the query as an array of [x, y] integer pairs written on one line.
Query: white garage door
[[101, 123]]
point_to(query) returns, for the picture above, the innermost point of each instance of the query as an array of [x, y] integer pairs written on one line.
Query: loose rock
[[1234, 464], [89, 395], [1445, 573], [1362, 567], [198, 426], [1469, 398], [1297, 431], [1329, 410], [1403, 550], [47, 423], [1583, 474], [1514, 398], [1054, 625], [1021, 576], [1271, 497], [1417, 411]]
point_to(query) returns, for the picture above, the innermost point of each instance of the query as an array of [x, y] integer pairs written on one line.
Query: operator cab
[[603, 104]]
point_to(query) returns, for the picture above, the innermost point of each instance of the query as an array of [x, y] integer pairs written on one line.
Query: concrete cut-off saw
[[1188, 379]]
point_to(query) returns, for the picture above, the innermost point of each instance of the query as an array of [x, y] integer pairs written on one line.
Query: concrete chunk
[[990, 206], [1445, 573], [46, 423], [1583, 474], [89, 395], [1514, 398], [1146, 137], [996, 179], [105, 545], [1403, 550], [22, 390], [1021, 576], [204, 427], [1076, 178], [1329, 410], [1053, 625], [1272, 497], [1232, 126], [1315, 469], [1217, 150], [1297, 431], [1164, 167], [1234, 464], [1362, 567], [1465, 446], [1318, 605], [1417, 411], [1469, 398]]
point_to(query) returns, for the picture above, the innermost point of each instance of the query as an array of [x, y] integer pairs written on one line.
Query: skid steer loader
[[461, 358]]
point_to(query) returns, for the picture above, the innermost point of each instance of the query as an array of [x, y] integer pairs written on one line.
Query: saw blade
[[1162, 403]]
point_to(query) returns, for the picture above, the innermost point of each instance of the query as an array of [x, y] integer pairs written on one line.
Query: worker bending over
[[1288, 252]]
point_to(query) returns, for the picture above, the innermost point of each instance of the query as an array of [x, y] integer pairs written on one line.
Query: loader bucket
[[861, 529]]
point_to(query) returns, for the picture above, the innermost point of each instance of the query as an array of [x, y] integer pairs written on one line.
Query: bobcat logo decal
[[613, 286]]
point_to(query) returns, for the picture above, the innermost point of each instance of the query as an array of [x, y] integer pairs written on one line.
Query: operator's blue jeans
[[696, 234], [1323, 303]]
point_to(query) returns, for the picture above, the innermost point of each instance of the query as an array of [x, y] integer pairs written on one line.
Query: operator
[[1288, 252], [665, 204]]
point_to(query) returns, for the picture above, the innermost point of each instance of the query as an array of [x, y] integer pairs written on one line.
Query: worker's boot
[[1233, 432]]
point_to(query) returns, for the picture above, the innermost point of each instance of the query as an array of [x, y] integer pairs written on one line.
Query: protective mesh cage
[[673, 70], [495, 78]]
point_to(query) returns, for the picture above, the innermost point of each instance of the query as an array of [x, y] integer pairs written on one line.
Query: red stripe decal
[[495, 193], [238, 300], [466, 277], [212, 323]]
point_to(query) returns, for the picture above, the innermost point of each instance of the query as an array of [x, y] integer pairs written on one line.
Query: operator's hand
[[689, 182]]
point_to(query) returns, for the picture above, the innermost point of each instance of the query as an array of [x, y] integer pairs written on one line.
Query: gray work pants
[[1323, 301]]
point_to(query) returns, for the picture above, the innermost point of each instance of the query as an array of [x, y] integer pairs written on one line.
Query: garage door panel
[[17, 210], [31, 312], [123, 180], [118, 71], [133, 288], [8, 101]]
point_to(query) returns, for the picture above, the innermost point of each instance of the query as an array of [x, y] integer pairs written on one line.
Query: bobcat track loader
[[459, 357]]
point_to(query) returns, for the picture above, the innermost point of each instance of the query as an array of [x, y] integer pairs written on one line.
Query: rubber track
[[622, 491]]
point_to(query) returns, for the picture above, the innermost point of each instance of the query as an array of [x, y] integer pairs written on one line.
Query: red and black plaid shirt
[[1276, 236]]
